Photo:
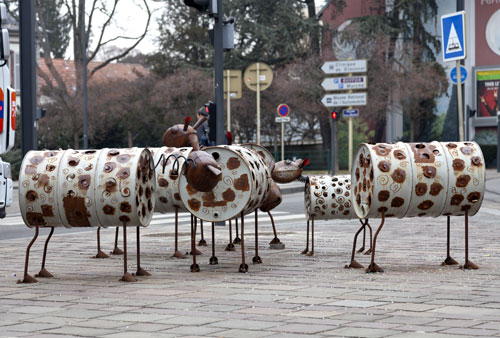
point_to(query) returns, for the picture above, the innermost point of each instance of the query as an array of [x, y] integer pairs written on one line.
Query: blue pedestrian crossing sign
[[453, 36]]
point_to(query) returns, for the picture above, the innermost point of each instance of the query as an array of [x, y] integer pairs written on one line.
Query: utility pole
[[84, 61], [219, 74]]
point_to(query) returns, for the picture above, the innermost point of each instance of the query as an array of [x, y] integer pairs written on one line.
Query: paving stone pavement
[[289, 295]]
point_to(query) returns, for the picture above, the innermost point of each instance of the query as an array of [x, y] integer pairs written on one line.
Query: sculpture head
[[179, 135], [287, 171], [202, 171], [273, 200]]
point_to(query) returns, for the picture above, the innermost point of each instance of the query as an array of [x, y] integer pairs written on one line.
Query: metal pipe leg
[[275, 240], [140, 270], [177, 253], [43, 272], [374, 267], [230, 246], [202, 241], [364, 239], [27, 278], [213, 259], [237, 239], [306, 250], [256, 259], [354, 264], [198, 252], [369, 251], [468, 264], [449, 260], [194, 267], [126, 276], [100, 253], [117, 250], [243, 265], [311, 253]]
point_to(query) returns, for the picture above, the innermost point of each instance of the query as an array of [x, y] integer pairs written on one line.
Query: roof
[[320, 13], [113, 71]]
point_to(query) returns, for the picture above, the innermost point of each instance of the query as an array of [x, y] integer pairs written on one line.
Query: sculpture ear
[[214, 170]]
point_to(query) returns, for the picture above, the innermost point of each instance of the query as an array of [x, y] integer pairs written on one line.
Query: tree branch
[[103, 30]]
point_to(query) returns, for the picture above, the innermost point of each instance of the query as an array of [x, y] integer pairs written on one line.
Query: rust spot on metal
[[47, 210], [31, 195], [451, 145], [88, 152], [110, 185], [458, 164], [177, 196], [397, 202], [382, 209], [466, 150], [423, 152], [162, 182], [384, 195], [429, 171], [463, 180], [123, 158], [194, 204], [382, 149], [36, 160], [109, 167], [476, 160], [346, 212], [358, 199], [399, 154], [456, 199], [435, 188], [35, 218], [84, 182], [190, 189], [89, 167], [150, 206], [233, 163], [50, 167], [361, 160], [357, 174], [422, 214], [113, 152], [241, 183], [73, 161], [364, 184], [399, 175], [125, 207], [163, 199], [123, 173], [148, 192], [420, 189], [366, 162], [371, 174], [474, 197], [425, 205], [384, 166], [141, 190], [76, 212], [49, 154], [143, 209], [108, 209], [124, 219], [228, 195], [30, 170]]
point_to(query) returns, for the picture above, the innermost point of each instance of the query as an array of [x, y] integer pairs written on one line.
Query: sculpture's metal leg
[[100, 253], [126, 276], [194, 267], [468, 264], [237, 239], [230, 246], [243, 265], [364, 239], [449, 260], [306, 250], [374, 267], [140, 270], [198, 252], [27, 278], [202, 241], [275, 240], [311, 253], [213, 259], [43, 272], [256, 259], [117, 250], [177, 253], [354, 264], [369, 251]]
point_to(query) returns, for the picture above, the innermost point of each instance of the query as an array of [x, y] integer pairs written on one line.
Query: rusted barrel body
[[167, 183], [87, 188], [418, 179], [245, 184], [328, 197], [263, 152]]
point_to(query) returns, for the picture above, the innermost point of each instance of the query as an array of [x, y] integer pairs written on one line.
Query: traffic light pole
[[219, 74], [332, 146]]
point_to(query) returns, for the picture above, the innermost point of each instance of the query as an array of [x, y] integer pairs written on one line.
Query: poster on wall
[[487, 92]]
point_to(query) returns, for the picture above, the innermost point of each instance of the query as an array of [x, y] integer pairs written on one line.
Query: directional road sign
[[282, 119], [453, 36], [463, 74], [283, 110], [344, 67], [344, 83], [344, 100], [233, 77], [350, 113]]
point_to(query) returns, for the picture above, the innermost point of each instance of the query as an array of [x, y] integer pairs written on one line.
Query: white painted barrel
[[328, 197], [245, 184], [87, 188], [418, 179]]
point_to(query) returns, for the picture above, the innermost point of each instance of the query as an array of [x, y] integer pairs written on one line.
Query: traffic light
[[206, 6], [334, 115], [210, 109]]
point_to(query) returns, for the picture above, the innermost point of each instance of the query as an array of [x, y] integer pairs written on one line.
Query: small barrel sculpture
[[418, 179], [244, 186], [86, 188], [329, 197]]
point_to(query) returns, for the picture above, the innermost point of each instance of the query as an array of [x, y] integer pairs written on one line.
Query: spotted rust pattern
[[329, 197]]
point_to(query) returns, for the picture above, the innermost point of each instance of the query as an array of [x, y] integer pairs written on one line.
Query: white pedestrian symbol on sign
[[453, 41]]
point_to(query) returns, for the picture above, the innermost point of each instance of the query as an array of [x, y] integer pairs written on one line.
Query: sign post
[[283, 111], [232, 90], [258, 77], [454, 49]]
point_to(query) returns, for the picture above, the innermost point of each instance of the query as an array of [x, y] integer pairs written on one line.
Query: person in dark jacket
[[202, 131]]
